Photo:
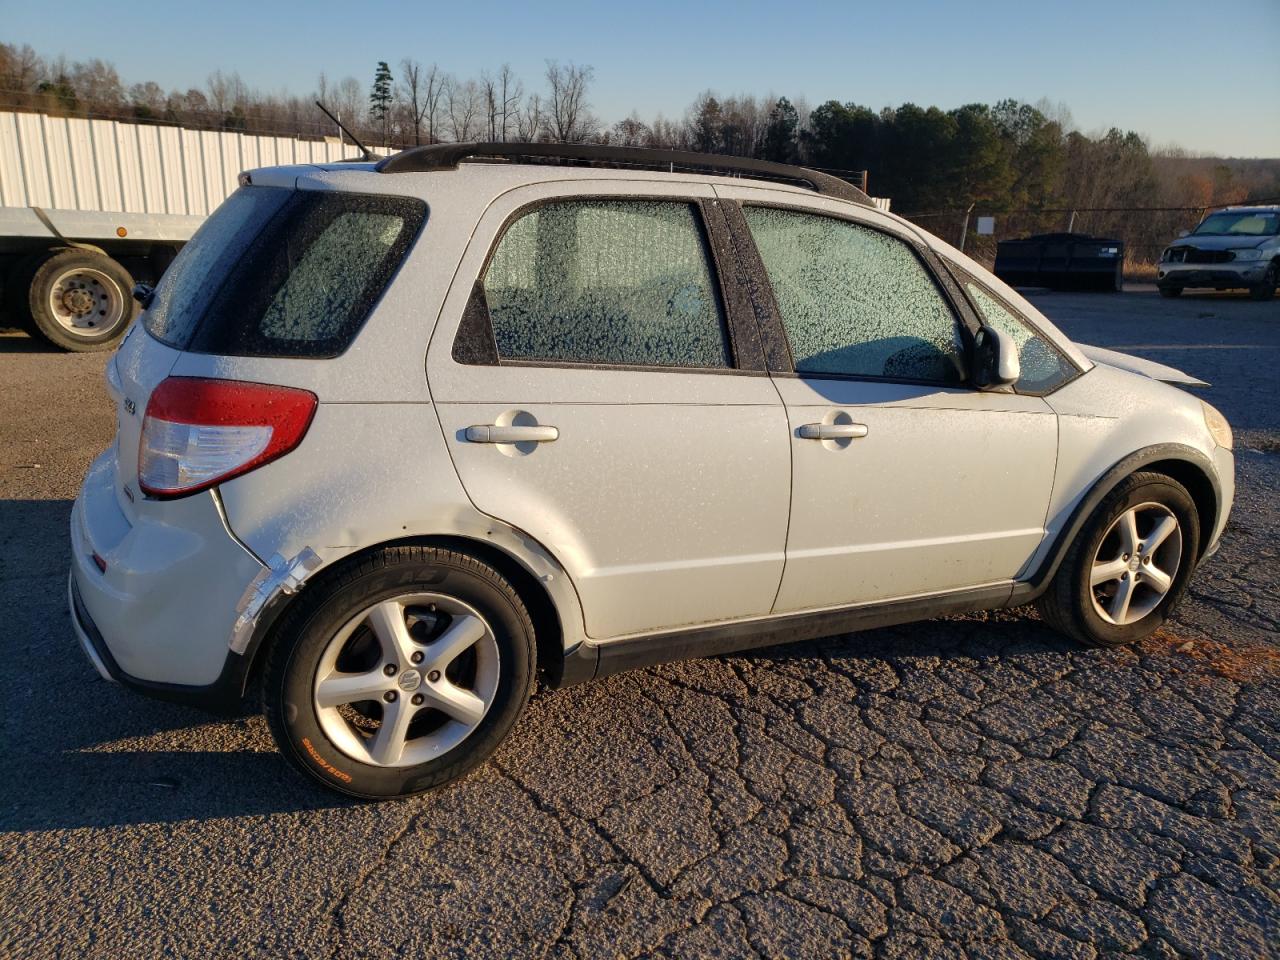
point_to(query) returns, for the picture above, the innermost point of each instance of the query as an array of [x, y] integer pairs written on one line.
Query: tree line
[[1006, 157]]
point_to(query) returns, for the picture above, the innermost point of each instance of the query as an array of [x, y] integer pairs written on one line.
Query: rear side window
[[855, 301], [198, 270], [297, 282], [606, 282]]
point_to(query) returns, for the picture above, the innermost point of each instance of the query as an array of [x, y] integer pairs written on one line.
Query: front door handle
[[495, 433], [832, 431]]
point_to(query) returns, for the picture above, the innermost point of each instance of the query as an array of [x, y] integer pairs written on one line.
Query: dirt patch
[[1142, 271], [1241, 663], [1261, 443]]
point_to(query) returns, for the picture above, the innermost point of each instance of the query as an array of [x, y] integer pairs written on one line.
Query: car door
[[906, 481], [598, 391]]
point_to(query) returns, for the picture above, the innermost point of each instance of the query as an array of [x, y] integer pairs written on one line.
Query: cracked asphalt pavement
[[973, 786]]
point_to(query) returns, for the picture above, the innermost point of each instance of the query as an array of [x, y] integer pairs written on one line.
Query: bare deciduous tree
[[631, 132], [226, 92], [529, 121], [569, 118], [510, 93], [489, 96], [464, 104], [421, 90]]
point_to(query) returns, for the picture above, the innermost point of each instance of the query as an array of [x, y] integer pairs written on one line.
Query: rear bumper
[[154, 592], [221, 696]]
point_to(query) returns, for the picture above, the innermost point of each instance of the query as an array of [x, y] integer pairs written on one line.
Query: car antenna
[[366, 153]]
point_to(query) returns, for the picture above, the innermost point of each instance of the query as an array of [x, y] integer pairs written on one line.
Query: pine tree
[[780, 133], [380, 99]]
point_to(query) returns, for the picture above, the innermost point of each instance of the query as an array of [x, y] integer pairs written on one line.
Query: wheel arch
[[555, 664], [1187, 465]]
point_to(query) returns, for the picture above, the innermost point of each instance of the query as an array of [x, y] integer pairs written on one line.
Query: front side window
[[855, 301], [626, 282], [1043, 367]]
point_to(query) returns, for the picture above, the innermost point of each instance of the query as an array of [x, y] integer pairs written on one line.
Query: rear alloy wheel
[[400, 673], [407, 679], [1266, 289], [81, 301], [1129, 565]]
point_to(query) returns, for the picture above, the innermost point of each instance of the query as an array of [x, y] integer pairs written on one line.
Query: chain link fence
[[1146, 231]]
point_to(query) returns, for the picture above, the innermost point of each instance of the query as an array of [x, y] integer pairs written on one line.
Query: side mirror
[[144, 294], [995, 359], [1183, 233]]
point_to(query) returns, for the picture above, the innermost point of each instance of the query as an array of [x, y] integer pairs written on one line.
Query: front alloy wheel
[[1135, 564], [1128, 566]]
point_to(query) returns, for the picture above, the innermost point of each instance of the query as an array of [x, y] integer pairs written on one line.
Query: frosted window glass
[[1043, 368], [855, 301], [606, 282], [331, 276]]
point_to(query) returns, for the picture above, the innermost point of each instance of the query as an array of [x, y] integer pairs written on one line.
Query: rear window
[[283, 273]]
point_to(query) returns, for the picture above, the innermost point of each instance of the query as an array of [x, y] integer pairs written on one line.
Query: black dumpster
[[1061, 261]]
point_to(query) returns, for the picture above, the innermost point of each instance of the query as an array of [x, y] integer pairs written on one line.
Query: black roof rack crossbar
[[447, 156]]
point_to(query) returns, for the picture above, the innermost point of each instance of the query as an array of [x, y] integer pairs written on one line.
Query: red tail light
[[199, 432]]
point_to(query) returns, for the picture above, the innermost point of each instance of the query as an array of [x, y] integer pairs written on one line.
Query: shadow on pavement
[[16, 340], [92, 766], [74, 790]]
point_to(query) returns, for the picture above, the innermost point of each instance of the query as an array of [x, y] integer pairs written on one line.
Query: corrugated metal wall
[[67, 163]]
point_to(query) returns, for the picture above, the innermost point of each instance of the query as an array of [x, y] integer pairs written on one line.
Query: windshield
[[1242, 223]]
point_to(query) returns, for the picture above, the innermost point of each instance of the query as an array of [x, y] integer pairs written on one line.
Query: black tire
[[105, 284], [1267, 288], [321, 611], [1167, 290], [1067, 604]]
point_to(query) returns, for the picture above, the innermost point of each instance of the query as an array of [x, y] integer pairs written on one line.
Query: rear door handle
[[493, 433], [832, 431]]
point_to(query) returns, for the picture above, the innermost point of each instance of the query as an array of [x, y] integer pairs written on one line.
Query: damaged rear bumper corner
[[279, 579]]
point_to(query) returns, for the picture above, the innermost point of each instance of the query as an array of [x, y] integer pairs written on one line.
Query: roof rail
[[447, 156]]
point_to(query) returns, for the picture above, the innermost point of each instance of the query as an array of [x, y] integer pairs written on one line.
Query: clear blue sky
[[1203, 75]]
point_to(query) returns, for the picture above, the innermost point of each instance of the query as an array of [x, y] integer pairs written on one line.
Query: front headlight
[[1219, 429], [1164, 256], [1249, 253]]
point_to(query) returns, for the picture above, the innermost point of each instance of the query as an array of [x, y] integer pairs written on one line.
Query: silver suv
[[395, 440], [1232, 248]]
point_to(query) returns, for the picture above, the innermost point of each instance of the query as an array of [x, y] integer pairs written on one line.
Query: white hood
[[1146, 368]]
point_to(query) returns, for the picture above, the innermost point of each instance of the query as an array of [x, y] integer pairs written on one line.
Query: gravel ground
[[972, 786]]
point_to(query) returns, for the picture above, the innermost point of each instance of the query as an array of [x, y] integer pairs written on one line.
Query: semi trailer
[[89, 207]]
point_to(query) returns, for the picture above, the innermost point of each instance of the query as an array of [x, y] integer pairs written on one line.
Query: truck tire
[[80, 300]]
